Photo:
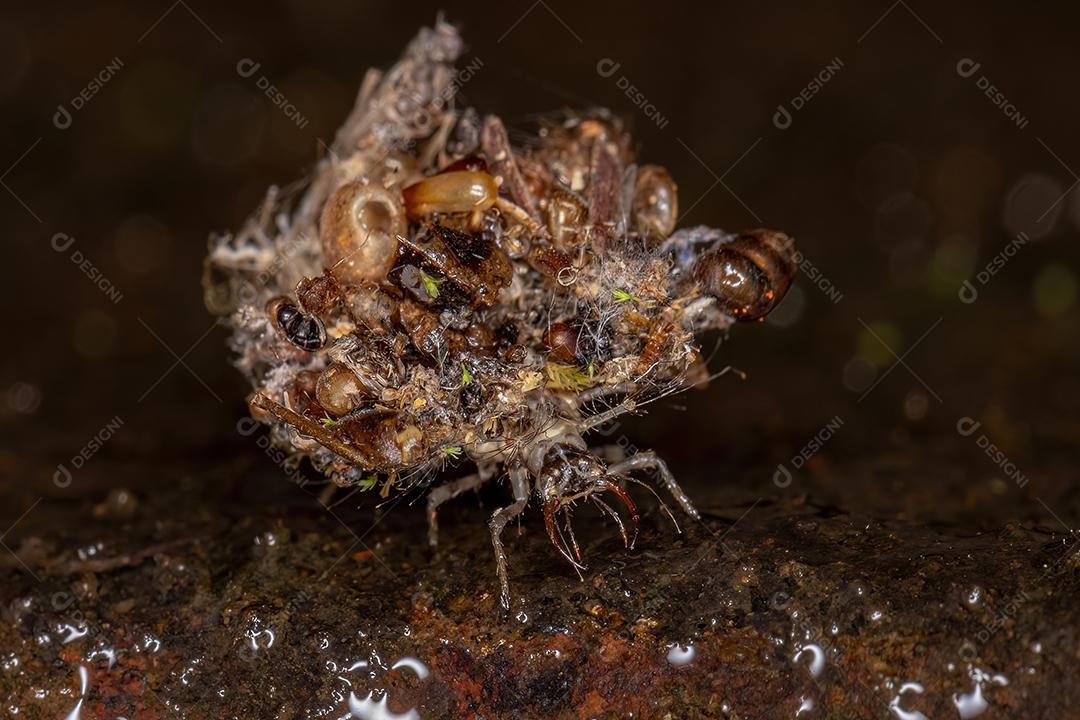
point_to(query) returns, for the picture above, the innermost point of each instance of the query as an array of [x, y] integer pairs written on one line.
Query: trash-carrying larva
[[434, 296]]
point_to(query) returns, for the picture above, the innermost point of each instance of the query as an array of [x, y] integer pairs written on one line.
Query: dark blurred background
[[863, 129]]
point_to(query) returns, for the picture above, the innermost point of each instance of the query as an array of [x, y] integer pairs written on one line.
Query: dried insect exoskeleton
[[749, 274], [302, 329], [438, 294], [449, 192], [656, 202]]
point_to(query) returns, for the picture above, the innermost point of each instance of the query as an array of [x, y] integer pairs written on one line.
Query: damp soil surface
[[228, 592]]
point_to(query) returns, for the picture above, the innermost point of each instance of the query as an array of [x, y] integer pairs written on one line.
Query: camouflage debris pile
[[432, 294]]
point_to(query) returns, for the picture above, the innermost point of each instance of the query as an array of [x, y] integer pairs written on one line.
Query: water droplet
[[108, 653], [84, 683], [151, 643], [73, 633], [970, 704], [413, 664], [681, 654], [370, 709], [817, 659], [894, 705], [267, 640]]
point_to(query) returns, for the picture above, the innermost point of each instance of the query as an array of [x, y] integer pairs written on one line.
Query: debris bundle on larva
[[435, 295]]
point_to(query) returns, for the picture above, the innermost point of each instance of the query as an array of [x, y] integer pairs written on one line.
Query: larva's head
[[569, 476]]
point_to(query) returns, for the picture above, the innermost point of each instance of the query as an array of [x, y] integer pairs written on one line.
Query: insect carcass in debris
[[432, 294]]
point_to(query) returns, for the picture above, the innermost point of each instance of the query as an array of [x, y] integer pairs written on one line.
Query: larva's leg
[[600, 392], [445, 493], [649, 459], [519, 481]]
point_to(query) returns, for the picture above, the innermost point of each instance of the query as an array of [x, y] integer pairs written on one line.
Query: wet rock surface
[[767, 608]]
